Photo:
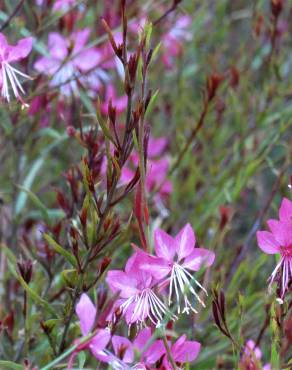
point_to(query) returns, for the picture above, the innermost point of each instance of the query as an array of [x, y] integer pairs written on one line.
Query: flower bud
[[25, 270]]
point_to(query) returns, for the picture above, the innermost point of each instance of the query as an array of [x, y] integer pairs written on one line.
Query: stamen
[[181, 279]]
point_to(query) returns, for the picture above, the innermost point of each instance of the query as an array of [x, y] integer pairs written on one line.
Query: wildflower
[[176, 256], [138, 299], [251, 358], [8, 74], [279, 241], [86, 313], [183, 351], [124, 351], [157, 169], [172, 41], [68, 59]]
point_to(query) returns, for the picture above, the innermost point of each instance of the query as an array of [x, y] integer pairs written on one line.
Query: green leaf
[[37, 202], [34, 295], [10, 365], [28, 181], [57, 247], [152, 103]]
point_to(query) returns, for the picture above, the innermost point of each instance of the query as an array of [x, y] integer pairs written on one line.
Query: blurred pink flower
[[8, 74], [119, 102], [135, 288], [157, 169], [251, 358], [68, 60], [176, 256], [63, 5], [172, 41], [86, 313], [279, 240]]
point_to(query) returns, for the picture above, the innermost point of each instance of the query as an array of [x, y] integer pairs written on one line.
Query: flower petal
[[154, 352], [99, 342], [86, 313], [57, 45], [198, 258], [282, 232], [20, 50], [119, 281], [285, 211], [164, 245], [123, 346], [47, 65], [267, 242], [157, 267], [87, 59], [185, 351], [185, 241], [142, 339]]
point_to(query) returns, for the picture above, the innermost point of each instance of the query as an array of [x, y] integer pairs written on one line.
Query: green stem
[[68, 352], [168, 351]]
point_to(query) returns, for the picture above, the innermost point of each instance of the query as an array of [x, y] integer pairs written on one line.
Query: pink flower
[[173, 40], [138, 301], [251, 358], [68, 60], [124, 351], [120, 103], [8, 74], [279, 240], [175, 257], [157, 169], [63, 5], [86, 313], [182, 351]]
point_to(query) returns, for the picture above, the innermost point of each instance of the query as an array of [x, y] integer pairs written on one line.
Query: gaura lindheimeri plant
[[86, 312], [8, 74], [138, 301], [69, 58], [279, 241], [177, 256]]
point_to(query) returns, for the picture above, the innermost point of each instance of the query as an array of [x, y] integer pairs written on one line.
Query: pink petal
[[198, 258], [154, 352], [142, 339], [3, 44], [80, 39], [267, 242], [285, 211], [157, 267], [282, 231], [185, 241], [185, 351], [99, 342], [126, 176], [119, 281], [20, 50], [156, 146], [86, 313], [47, 65], [87, 59], [58, 46], [164, 245], [123, 345], [134, 271]]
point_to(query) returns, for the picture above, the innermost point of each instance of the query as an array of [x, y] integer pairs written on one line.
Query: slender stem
[[12, 15], [168, 351]]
